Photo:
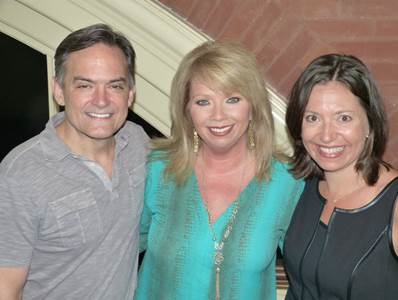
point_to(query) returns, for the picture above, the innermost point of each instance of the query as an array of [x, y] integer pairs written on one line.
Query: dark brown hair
[[89, 36], [354, 74]]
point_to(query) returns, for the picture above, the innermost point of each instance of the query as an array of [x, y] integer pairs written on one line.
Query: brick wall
[[286, 35]]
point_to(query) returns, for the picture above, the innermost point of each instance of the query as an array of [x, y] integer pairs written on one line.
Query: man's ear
[[131, 96], [58, 93]]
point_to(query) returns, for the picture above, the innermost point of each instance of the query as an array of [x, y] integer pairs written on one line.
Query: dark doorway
[[24, 96], [24, 99]]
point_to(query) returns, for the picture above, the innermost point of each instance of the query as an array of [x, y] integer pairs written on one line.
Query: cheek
[[197, 116], [356, 134], [241, 115], [307, 136], [307, 133]]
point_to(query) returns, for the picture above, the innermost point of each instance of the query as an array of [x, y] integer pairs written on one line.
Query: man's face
[[95, 93]]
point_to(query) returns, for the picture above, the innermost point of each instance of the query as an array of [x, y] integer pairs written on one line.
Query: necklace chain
[[219, 246], [335, 200]]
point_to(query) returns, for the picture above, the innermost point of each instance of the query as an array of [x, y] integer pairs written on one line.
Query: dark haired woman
[[343, 239]]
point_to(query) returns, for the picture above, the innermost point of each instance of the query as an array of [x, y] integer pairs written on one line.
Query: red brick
[[384, 71], [285, 87], [270, 15], [276, 41], [387, 29], [392, 146], [290, 55], [370, 9], [169, 3], [266, 57], [342, 29], [239, 23], [179, 7], [285, 32], [315, 9], [389, 92], [313, 52], [370, 50], [217, 21], [201, 12], [318, 48], [390, 155]]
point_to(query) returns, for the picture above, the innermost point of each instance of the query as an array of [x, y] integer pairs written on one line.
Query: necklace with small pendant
[[219, 245]]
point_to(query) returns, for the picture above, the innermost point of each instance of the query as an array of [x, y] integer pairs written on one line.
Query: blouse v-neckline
[[220, 222]]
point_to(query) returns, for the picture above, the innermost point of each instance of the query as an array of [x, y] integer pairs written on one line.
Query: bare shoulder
[[386, 177]]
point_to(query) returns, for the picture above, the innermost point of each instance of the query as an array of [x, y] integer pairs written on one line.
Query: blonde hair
[[226, 67]]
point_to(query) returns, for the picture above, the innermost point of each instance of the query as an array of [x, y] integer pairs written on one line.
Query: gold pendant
[[218, 296], [218, 258]]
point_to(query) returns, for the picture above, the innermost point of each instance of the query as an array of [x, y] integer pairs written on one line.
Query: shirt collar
[[54, 149]]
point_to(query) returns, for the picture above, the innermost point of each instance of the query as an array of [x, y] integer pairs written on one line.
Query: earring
[[195, 142], [250, 133]]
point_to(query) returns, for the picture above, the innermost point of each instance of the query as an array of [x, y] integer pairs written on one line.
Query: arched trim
[[159, 38]]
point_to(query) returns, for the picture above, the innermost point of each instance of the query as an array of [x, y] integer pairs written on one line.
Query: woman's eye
[[311, 118], [233, 100], [345, 118], [202, 102]]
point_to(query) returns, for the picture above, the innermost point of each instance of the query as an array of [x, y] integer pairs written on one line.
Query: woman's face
[[335, 127], [221, 120]]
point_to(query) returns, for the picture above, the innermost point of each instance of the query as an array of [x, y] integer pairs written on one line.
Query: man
[[71, 197]]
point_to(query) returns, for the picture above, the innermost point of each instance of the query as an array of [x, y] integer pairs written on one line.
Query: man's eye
[[117, 86], [233, 100], [202, 102], [83, 86]]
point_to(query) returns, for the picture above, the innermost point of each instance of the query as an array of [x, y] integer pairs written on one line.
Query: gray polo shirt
[[61, 217]]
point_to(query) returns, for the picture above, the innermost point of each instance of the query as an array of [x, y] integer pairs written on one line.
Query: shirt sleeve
[[152, 183], [18, 224], [294, 187]]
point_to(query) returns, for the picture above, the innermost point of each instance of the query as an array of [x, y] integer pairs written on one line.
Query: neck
[[226, 162], [335, 183], [100, 151]]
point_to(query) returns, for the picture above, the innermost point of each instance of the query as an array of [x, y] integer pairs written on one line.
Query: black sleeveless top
[[351, 258]]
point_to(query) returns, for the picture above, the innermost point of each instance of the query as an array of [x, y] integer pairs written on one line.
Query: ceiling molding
[[159, 37]]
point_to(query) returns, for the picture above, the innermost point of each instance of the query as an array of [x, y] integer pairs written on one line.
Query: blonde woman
[[218, 196]]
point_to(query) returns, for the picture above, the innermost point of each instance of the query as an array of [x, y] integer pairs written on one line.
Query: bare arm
[[12, 281]]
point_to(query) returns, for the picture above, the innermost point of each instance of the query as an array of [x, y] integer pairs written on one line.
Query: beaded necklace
[[219, 245]]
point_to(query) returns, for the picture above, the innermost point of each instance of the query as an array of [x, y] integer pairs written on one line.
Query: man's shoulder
[[133, 131], [22, 156]]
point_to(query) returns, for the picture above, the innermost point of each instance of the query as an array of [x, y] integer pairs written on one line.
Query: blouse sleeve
[[152, 183], [294, 187]]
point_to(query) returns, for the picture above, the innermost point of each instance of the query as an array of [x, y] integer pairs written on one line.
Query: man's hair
[[87, 37]]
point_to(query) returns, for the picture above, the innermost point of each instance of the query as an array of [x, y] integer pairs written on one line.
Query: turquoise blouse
[[179, 258]]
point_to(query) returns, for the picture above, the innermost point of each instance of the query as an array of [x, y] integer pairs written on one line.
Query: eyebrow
[[335, 113], [81, 78]]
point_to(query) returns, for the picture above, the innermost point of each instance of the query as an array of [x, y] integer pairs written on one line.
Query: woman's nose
[[328, 132], [218, 112]]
